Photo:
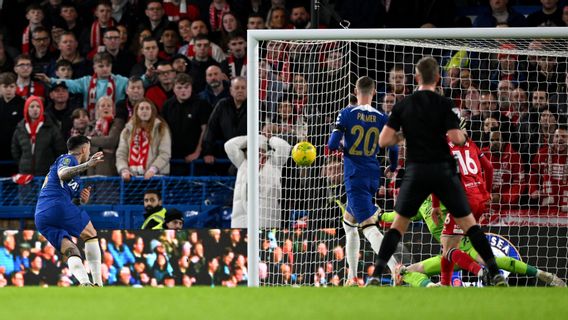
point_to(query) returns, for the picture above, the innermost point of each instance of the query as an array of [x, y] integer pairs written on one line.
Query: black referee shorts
[[422, 179]]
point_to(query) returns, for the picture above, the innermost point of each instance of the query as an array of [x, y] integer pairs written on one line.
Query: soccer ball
[[304, 153]]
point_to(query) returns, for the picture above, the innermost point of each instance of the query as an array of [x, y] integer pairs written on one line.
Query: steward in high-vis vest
[[155, 213]]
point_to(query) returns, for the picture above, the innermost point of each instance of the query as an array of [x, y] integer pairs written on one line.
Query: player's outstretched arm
[[67, 173]]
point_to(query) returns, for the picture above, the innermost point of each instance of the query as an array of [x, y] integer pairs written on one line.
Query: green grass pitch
[[283, 303]]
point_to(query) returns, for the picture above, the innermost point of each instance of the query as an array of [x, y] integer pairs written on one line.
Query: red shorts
[[478, 207]]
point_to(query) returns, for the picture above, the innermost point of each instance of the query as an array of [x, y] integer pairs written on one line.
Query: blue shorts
[[61, 221], [360, 194]]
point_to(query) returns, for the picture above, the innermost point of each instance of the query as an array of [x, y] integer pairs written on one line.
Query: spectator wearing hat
[[174, 220], [181, 63], [59, 108]]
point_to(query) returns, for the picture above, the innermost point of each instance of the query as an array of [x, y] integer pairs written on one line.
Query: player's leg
[[451, 240], [450, 192], [519, 267], [74, 261], [93, 252], [352, 246], [449, 243], [413, 192]]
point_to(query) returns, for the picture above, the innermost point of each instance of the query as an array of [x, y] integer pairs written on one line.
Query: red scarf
[[96, 38], [216, 16], [102, 126], [233, 67], [92, 94], [33, 126], [26, 40], [139, 149], [26, 91]]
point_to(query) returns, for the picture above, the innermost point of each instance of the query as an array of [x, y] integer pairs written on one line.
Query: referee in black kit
[[425, 117]]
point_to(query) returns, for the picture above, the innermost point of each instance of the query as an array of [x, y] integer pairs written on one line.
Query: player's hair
[[8, 78], [76, 142], [101, 57], [427, 67], [201, 36], [365, 85], [183, 79], [154, 191]]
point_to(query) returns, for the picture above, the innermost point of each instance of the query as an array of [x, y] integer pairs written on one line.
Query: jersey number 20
[[371, 137]]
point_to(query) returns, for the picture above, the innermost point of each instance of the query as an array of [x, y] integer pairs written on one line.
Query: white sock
[[375, 237], [93, 255], [352, 245], [78, 269]]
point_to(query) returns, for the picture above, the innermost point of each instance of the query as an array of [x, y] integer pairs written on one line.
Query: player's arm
[[337, 133], [389, 137], [487, 171], [65, 173], [393, 158]]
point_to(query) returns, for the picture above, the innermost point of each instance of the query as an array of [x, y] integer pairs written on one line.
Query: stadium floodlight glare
[[315, 71]]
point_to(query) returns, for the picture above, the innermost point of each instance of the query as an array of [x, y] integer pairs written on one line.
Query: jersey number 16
[[467, 165]]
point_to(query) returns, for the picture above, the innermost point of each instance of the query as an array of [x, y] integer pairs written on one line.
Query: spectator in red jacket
[[508, 174], [548, 186]]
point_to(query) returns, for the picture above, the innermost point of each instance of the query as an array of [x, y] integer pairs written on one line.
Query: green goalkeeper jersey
[[425, 213]]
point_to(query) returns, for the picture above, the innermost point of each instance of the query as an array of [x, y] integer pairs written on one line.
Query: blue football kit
[[360, 126], [56, 217]]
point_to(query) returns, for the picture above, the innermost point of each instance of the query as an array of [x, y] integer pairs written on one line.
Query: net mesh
[[513, 94]]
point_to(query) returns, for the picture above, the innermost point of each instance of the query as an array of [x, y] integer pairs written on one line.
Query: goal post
[[473, 49]]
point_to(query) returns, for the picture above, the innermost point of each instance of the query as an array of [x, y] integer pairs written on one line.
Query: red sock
[[465, 262], [447, 271]]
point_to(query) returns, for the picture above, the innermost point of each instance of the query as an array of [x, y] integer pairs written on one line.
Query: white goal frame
[[253, 38]]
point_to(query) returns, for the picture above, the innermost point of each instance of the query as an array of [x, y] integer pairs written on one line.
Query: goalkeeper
[[418, 274]]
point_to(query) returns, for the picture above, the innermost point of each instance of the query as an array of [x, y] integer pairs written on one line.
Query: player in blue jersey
[[360, 126], [58, 218]]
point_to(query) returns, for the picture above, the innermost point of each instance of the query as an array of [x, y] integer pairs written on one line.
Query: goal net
[[510, 86]]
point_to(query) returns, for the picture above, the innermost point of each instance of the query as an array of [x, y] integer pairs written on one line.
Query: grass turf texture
[[283, 303]]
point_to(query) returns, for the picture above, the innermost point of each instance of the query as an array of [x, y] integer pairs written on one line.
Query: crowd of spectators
[[144, 258]]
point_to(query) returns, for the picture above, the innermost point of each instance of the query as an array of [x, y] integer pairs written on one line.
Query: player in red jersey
[[476, 173]]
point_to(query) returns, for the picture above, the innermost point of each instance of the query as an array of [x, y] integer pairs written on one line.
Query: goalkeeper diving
[[418, 274]]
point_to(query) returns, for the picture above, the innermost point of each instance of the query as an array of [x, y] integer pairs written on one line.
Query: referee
[[426, 118]]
